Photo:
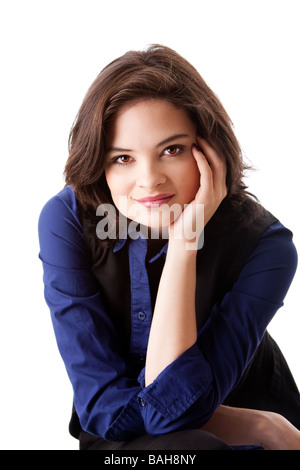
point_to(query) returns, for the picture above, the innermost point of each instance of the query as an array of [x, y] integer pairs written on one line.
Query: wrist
[[277, 433], [268, 427], [181, 248], [178, 250]]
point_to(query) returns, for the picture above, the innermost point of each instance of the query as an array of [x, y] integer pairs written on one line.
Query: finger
[[215, 160], [213, 157], [206, 176]]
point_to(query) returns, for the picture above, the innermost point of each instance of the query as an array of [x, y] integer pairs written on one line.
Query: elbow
[[157, 424], [108, 431], [122, 425]]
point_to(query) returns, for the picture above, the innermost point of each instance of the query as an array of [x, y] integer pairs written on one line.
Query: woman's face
[[149, 164]]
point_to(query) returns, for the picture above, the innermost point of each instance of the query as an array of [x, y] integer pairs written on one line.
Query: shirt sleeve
[[105, 395], [187, 392]]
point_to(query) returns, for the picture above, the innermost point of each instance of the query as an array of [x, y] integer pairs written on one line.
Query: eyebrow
[[172, 137], [164, 142]]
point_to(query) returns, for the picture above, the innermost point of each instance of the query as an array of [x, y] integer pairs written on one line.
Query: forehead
[[148, 120]]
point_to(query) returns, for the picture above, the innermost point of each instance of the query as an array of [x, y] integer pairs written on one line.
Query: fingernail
[[196, 147]]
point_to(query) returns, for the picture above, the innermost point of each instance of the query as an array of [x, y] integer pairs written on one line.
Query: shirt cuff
[[179, 385]]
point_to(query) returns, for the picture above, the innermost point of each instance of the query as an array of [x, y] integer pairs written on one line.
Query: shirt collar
[[120, 242], [162, 251]]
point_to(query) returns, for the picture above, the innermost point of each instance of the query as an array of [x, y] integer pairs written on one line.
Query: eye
[[122, 160], [174, 150]]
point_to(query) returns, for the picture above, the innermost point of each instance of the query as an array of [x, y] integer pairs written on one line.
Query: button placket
[[141, 308]]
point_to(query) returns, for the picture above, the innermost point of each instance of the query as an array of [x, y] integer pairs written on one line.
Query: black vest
[[267, 383]]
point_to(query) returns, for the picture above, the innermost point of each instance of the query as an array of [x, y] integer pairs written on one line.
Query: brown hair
[[158, 72]]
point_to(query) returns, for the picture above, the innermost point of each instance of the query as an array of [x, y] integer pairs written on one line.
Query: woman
[[165, 341]]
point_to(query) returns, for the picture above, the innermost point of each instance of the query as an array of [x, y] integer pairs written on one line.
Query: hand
[[277, 433], [212, 190], [212, 168], [242, 426]]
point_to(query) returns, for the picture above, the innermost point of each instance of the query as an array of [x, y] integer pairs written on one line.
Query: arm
[[239, 426], [176, 293], [169, 338], [105, 396], [188, 390]]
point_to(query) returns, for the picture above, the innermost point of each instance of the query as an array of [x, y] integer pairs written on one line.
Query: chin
[[158, 220]]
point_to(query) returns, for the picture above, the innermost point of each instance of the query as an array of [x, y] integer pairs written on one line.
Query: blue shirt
[[111, 399]]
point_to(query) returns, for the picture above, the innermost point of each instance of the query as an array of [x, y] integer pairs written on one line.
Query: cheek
[[191, 182], [108, 178], [118, 185]]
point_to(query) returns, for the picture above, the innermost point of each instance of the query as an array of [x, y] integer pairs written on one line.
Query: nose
[[149, 175]]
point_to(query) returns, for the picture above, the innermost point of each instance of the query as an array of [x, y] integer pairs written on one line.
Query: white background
[[51, 51]]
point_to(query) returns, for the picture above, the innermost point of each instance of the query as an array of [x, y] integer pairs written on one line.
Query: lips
[[152, 202]]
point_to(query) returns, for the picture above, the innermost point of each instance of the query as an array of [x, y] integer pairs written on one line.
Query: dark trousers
[[192, 439]]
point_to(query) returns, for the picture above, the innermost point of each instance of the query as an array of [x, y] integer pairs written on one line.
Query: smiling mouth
[[152, 202]]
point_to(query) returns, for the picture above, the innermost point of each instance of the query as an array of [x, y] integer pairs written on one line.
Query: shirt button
[[142, 402], [142, 316]]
